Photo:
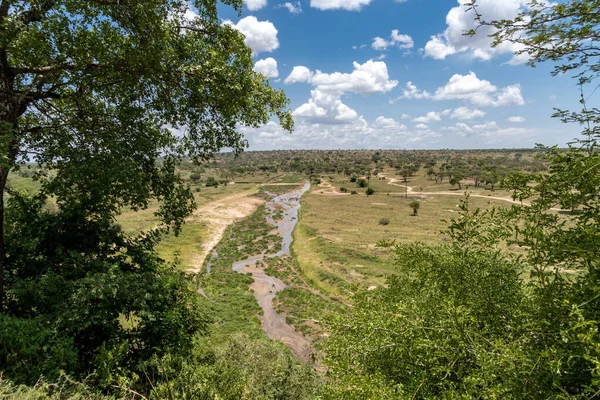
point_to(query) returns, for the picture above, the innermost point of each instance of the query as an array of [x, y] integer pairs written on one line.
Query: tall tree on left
[[111, 94]]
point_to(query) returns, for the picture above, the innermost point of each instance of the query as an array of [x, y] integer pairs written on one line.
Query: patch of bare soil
[[219, 215]]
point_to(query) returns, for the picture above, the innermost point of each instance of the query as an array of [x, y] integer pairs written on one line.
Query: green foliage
[[384, 221], [344, 190], [354, 192], [361, 183], [240, 368], [370, 191], [415, 206], [31, 349], [211, 182], [195, 177], [73, 279]]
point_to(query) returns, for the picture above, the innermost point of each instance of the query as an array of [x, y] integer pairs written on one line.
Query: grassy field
[[336, 239]]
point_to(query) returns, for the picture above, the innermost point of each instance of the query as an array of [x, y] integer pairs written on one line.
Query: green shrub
[[384, 221], [343, 190], [354, 192], [212, 182], [370, 191], [361, 183]]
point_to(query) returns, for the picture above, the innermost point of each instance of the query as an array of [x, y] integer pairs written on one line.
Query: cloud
[[487, 129], [466, 113], [459, 20], [348, 5], [396, 40], [480, 93], [430, 117], [267, 67], [421, 126], [254, 5], [388, 124], [294, 8], [412, 92], [516, 119], [323, 108], [381, 133], [260, 36], [299, 74], [370, 77]]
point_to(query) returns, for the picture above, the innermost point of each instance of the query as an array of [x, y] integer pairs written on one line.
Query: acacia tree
[[111, 94]]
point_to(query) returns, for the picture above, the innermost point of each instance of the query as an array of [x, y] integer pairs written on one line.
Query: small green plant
[[195, 177], [343, 190], [370, 191], [361, 183], [353, 179], [354, 192], [211, 181], [384, 221], [415, 205]]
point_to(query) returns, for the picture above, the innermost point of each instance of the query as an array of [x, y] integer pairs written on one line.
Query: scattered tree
[[415, 206]]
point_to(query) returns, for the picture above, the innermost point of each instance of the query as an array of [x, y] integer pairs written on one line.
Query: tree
[[415, 205], [455, 180], [370, 191], [112, 94]]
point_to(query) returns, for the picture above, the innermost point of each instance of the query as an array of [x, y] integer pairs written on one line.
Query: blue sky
[[369, 74]]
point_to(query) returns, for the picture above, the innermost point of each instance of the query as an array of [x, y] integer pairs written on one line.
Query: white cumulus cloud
[[299, 74], [367, 78], [430, 117], [459, 20], [412, 92], [267, 67], [466, 113], [348, 5], [323, 108], [260, 36], [396, 40], [516, 119], [294, 8], [480, 93], [254, 5]]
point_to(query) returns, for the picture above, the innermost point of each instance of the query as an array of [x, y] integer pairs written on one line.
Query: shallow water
[[266, 287]]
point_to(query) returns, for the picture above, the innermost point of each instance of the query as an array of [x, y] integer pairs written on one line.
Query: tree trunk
[[9, 112]]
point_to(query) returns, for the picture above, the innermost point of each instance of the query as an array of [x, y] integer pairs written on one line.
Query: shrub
[[211, 181], [384, 221], [361, 183], [353, 179], [370, 191], [354, 192], [195, 177], [343, 190]]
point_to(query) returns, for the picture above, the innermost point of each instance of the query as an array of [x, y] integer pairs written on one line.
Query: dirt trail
[[393, 181], [266, 287], [219, 215]]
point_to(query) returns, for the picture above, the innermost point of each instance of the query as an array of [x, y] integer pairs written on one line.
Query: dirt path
[[266, 287], [393, 181], [219, 215]]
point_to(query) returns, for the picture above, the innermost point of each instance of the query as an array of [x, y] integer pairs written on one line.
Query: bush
[[195, 177], [211, 181], [384, 221], [354, 192], [361, 183], [343, 190], [370, 191], [353, 179]]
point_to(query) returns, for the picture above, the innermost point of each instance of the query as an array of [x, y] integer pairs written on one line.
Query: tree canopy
[[109, 95]]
